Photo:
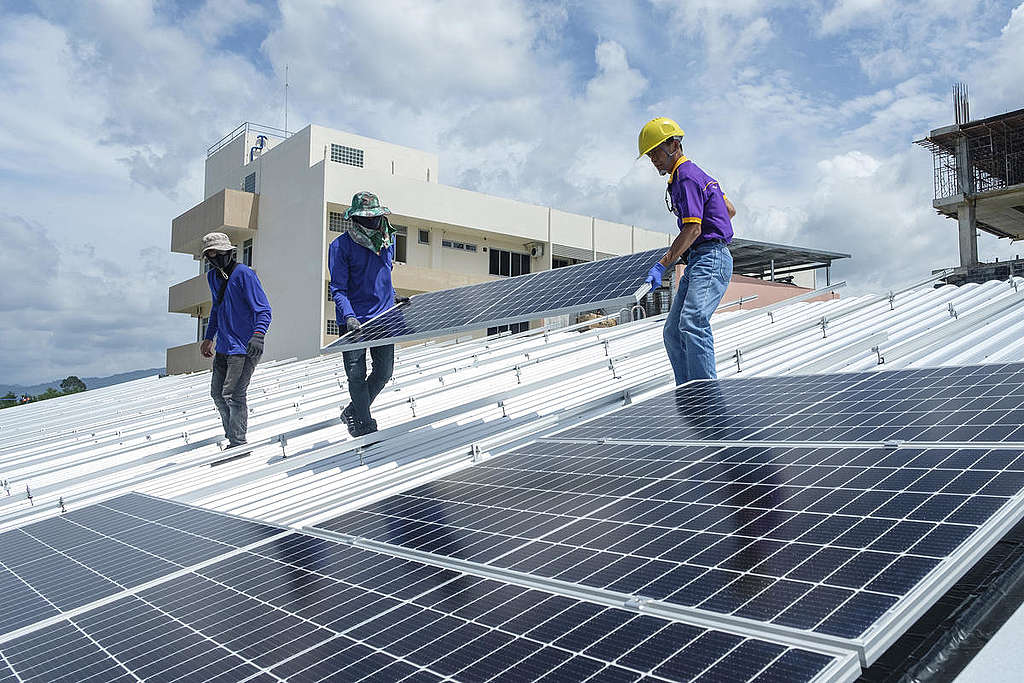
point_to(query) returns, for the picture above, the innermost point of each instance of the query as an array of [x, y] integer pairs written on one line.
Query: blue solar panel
[[301, 608], [65, 562], [816, 539], [960, 404], [609, 283]]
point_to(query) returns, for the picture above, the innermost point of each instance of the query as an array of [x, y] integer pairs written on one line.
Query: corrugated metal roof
[[449, 401]]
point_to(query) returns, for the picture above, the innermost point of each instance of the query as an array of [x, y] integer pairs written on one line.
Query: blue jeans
[[688, 340], [362, 389]]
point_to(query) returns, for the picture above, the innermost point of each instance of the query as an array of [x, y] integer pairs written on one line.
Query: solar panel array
[[613, 283], [949, 404], [65, 562], [839, 540], [278, 605]]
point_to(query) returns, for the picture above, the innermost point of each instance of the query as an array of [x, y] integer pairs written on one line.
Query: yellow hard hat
[[655, 132]]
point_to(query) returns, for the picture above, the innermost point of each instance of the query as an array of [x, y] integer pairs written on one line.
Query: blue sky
[[805, 112]]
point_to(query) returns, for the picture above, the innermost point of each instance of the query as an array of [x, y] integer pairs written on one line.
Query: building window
[[249, 185], [332, 328], [335, 222], [401, 242], [514, 328], [347, 155], [203, 324], [461, 246], [247, 253], [424, 237], [557, 262], [509, 263]]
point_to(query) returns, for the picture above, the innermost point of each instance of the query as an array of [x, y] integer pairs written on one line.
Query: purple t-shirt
[[697, 198]]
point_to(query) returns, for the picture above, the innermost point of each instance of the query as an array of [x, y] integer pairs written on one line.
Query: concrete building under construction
[[979, 181]]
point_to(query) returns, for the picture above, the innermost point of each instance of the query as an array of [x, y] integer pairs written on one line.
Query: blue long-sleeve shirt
[[360, 279], [244, 310]]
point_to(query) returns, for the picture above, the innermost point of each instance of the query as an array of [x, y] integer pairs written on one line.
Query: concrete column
[[968, 226], [550, 255]]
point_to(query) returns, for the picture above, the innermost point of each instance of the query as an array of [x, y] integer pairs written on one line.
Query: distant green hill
[[90, 382]]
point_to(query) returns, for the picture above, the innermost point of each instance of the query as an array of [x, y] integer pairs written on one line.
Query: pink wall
[[767, 292]]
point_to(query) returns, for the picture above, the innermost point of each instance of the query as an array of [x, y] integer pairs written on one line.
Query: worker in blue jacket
[[239, 319], [360, 261]]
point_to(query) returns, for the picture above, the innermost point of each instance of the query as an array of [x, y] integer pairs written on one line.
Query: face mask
[[368, 222], [221, 260]]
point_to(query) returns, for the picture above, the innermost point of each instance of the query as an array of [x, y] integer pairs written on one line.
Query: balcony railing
[[244, 128]]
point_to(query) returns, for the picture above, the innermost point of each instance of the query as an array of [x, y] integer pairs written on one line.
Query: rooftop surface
[[453, 413]]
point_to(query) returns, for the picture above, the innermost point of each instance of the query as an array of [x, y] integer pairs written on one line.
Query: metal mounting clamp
[[636, 602]]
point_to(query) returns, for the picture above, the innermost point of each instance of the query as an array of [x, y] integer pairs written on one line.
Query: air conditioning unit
[[536, 249]]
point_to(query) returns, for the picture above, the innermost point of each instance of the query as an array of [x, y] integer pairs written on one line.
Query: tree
[[72, 385], [49, 393]]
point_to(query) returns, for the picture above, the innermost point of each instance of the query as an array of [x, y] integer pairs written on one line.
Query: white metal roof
[[449, 401]]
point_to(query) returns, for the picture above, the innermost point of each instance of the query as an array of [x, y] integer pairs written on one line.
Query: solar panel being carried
[[609, 283]]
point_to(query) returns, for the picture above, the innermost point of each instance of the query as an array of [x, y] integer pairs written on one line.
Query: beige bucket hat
[[216, 241]]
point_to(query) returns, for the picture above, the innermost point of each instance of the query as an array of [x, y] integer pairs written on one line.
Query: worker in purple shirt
[[239, 319], [360, 261], [704, 216]]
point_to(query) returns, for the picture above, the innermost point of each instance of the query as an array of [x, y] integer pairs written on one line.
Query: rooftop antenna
[[286, 98], [961, 105]]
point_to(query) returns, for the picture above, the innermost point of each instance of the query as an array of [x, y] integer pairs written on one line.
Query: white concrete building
[[280, 197]]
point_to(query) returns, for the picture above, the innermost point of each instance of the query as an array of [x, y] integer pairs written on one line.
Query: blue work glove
[[655, 275], [255, 347]]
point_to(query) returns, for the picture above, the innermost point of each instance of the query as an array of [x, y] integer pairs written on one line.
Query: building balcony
[[191, 296], [232, 212], [186, 358]]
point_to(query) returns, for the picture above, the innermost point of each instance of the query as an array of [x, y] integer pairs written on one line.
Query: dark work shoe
[[363, 428], [350, 420]]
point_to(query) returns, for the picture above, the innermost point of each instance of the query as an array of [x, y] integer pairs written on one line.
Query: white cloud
[[68, 309], [109, 107]]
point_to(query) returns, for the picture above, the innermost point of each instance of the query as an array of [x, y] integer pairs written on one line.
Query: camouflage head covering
[[366, 205]]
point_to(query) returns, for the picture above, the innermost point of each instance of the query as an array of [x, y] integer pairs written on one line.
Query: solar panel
[[65, 562], [609, 283], [982, 404], [833, 541], [307, 609]]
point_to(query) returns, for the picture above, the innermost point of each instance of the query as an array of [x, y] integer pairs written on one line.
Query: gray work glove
[[352, 324], [401, 299], [255, 347]]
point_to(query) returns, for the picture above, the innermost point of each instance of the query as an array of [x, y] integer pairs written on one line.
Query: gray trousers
[[231, 375]]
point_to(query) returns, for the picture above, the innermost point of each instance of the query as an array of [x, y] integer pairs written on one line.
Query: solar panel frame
[[468, 306]]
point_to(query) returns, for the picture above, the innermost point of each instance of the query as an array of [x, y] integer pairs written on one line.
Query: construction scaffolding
[[978, 156]]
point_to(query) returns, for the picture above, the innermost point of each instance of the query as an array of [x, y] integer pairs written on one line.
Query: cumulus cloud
[[68, 309], [806, 116]]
